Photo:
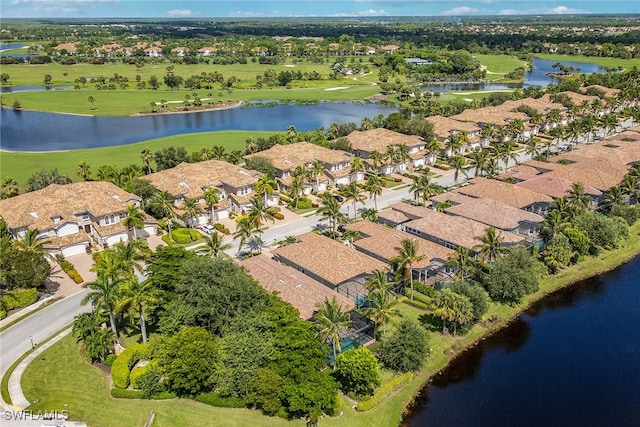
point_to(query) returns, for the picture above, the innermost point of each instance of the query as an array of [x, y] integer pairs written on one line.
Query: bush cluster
[[221, 228], [278, 215], [184, 235], [214, 399], [68, 268], [138, 372], [19, 298], [383, 391], [128, 358], [120, 393], [304, 203]]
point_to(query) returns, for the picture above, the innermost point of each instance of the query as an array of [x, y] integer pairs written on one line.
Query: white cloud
[[179, 13], [558, 10], [464, 10], [368, 12]]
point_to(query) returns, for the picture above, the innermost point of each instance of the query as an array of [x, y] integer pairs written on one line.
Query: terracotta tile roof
[[495, 115], [494, 213], [590, 173], [290, 156], [37, 208], [608, 92], [542, 104], [328, 259], [451, 197], [504, 192], [190, 179], [64, 241], [615, 148], [410, 211], [517, 175], [443, 127], [379, 139], [292, 286], [393, 216], [383, 241], [456, 230], [108, 230], [553, 186], [578, 98]]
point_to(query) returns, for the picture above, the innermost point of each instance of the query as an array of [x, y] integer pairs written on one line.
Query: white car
[[208, 228]]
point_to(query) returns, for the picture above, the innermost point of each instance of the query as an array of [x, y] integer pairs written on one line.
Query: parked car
[[208, 228], [338, 197]]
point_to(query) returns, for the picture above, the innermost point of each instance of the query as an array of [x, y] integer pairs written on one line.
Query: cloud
[[179, 13], [464, 10], [368, 12], [59, 6], [558, 10]]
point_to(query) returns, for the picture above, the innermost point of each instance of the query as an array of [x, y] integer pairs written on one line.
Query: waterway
[[573, 359], [41, 131]]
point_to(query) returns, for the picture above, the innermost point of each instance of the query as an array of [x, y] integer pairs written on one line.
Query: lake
[[573, 359], [537, 77], [40, 131]]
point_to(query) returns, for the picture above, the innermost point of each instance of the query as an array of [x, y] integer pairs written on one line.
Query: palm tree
[[589, 124], [630, 187], [218, 152], [453, 144], [508, 153], [162, 203], [125, 258], [478, 159], [577, 198], [457, 163], [610, 198], [357, 164], [515, 128], [369, 214], [104, 295], [366, 124], [610, 122], [192, 211], [211, 198], [134, 219], [574, 130], [373, 186], [244, 230], [354, 194], [553, 223], [443, 306], [147, 156], [291, 134], [315, 171], [402, 153], [296, 188], [331, 320], [265, 186], [330, 210], [9, 187], [490, 245], [380, 309], [379, 281], [213, 246], [84, 171], [31, 242], [137, 296], [377, 159], [463, 262], [407, 256], [260, 212]]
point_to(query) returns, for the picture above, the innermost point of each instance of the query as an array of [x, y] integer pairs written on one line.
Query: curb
[[25, 310]]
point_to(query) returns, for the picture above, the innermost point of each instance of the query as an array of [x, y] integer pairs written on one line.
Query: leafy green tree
[[138, 296], [407, 349], [188, 360], [165, 266], [331, 321], [104, 295], [558, 253], [513, 276], [477, 295], [8, 188], [21, 268], [603, 232], [170, 157], [266, 391], [261, 164], [357, 371], [134, 219], [44, 178]]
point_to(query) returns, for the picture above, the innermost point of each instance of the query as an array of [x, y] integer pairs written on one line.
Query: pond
[[537, 77], [573, 359], [39, 131]]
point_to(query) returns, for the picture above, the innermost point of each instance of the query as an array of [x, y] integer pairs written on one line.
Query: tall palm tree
[[373, 186], [126, 257], [292, 133], [407, 256], [458, 163], [31, 242], [213, 246], [553, 223], [380, 309], [490, 245], [402, 154], [211, 197], [134, 219], [147, 156], [589, 124], [192, 211], [265, 186], [84, 171], [259, 212], [610, 198], [377, 159], [330, 321], [630, 186], [354, 194], [443, 306], [508, 153], [462, 262], [137, 296], [610, 122], [478, 159], [357, 164], [162, 203], [244, 230], [296, 188], [316, 170], [369, 214], [104, 295], [218, 152], [577, 198], [330, 210]]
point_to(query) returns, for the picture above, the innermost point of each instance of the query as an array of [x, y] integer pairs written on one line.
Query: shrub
[[357, 371], [242, 218], [181, 235], [68, 268], [315, 205], [123, 363], [19, 298], [214, 399], [3, 314], [406, 349], [278, 215], [424, 289], [383, 391], [304, 203], [138, 372], [221, 228], [110, 359], [119, 393]]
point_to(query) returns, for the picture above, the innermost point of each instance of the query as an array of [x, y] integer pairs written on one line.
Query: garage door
[[73, 250]]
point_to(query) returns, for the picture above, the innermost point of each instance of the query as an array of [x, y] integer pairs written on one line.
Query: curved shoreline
[[565, 279]]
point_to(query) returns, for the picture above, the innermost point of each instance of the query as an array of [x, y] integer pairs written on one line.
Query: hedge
[[184, 235], [68, 268], [19, 298], [120, 393], [304, 203], [278, 215], [3, 314], [221, 228], [383, 391], [139, 371], [123, 363], [417, 304], [214, 399], [417, 296]]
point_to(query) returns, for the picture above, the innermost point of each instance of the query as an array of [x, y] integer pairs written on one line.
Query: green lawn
[[604, 62], [499, 65], [22, 165]]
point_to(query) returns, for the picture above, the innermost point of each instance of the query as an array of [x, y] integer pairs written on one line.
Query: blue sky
[[302, 8]]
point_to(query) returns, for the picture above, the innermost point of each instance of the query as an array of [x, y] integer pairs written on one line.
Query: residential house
[[294, 287], [498, 116], [70, 218], [390, 48], [332, 263], [190, 180], [446, 128], [336, 164], [363, 143], [379, 241], [556, 187]]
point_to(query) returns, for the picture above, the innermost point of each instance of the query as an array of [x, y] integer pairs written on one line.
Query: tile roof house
[[286, 158], [189, 181], [73, 216], [497, 116], [444, 128], [555, 186], [380, 242], [365, 142], [509, 194], [330, 262], [292, 286], [448, 230]]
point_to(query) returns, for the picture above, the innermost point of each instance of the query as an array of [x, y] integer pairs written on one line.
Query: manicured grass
[[20, 166], [603, 62], [498, 65]]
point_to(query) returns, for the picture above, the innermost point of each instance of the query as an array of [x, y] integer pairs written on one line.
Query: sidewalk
[[25, 310]]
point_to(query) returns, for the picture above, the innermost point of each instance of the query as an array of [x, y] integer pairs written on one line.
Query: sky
[[303, 8]]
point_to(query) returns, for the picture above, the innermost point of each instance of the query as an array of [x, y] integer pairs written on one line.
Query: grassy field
[[62, 377], [499, 65], [603, 62], [21, 165]]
